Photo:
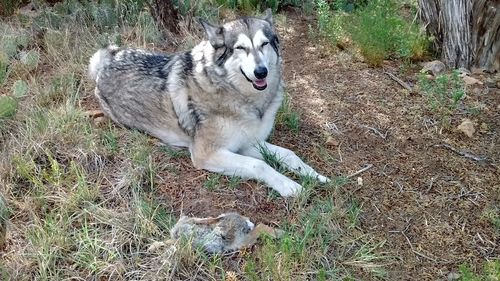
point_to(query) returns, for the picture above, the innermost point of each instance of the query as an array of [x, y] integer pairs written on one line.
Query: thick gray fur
[[205, 99]]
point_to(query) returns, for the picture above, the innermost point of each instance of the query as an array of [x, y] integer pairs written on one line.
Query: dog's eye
[[263, 44], [240, 48]]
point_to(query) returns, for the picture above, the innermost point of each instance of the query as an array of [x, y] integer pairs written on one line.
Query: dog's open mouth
[[259, 84]]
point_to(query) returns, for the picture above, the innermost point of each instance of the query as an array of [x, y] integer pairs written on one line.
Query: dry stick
[[369, 166], [424, 256], [384, 136], [462, 153], [400, 82]]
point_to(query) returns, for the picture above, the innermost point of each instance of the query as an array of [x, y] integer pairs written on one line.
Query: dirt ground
[[427, 202]]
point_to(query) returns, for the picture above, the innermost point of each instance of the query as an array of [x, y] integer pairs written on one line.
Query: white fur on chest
[[249, 132]]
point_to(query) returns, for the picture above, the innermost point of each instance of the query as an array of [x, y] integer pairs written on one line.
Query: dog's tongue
[[260, 83]]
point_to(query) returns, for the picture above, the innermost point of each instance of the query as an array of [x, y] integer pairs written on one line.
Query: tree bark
[[486, 34], [466, 32]]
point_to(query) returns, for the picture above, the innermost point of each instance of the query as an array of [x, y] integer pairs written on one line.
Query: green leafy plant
[[30, 59], [8, 107], [330, 25], [380, 33], [20, 89], [490, 272], [443, 93]]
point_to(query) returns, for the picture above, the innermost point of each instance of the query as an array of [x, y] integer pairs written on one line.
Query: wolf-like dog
[[219, 99]]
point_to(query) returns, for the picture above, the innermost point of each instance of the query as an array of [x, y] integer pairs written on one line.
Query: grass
[[83, 201], [213, 182], [490, 272], [444, 94], [287, 116], [310, 250]]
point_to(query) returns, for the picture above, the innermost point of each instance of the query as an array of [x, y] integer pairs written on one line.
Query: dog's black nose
[[260, 72]]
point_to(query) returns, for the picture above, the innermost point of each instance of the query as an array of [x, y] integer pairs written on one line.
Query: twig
[[430, 185], [384, 136], [400, 82], [424, 256], [462, 153], [369, 166]]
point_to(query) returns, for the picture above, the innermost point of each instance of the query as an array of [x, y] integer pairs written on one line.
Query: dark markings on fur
[[205, 71], [228, 52], [246, 21], [273, 40], [194, 112], [260, 112], [188, 64], [192, 120], [113, 51], [157, 64]]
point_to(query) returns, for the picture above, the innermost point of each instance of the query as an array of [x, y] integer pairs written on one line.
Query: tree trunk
[[466, 32], [486, 34]]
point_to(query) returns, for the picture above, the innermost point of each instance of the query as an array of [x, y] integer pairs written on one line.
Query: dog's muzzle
[[259, 84]]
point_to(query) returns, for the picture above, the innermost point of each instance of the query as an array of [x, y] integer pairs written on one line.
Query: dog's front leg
[[287, 158], [232, 164]]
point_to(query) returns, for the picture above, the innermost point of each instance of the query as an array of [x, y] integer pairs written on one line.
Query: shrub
[[443, 93], [380, 33]]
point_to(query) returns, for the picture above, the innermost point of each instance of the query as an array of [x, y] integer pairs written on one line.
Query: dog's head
[[248, 50]]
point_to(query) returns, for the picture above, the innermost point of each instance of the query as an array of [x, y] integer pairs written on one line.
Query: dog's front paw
[[288, 188], [323, 179]]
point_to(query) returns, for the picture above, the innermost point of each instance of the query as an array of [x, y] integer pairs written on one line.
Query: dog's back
[[132, 90]]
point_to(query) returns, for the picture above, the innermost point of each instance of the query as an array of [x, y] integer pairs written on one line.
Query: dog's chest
[[250, 130]]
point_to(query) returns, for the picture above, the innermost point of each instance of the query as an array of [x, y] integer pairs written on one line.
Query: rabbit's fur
[[225, 233]]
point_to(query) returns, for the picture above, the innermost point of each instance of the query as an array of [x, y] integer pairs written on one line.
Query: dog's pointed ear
[[268, 16], [214, 33]]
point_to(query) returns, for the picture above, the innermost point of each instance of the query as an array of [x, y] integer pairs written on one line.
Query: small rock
[[463, 71], [430, 77], [155, 246], [476, 70], [98, 121], [94, 113], [435, 67], [330, 141], [467, 127], [498, 84], [471, 80], [360, 181], [491, 83], [484, 128], [476, 90], [453, 276]]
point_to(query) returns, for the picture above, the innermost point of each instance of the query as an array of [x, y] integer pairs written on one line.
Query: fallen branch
[[462, 153], [400, 82], [384, 136], [369, 166]]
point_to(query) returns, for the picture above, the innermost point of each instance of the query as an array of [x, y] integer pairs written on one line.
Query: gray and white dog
[[219, 99]]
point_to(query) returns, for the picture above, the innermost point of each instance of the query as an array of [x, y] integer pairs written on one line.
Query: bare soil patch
[[425, 201]]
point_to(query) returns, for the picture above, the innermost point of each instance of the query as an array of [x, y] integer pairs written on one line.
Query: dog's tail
[[100, 59]]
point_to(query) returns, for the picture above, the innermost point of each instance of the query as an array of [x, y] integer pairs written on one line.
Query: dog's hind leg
[[287, 158], [232, 164]]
